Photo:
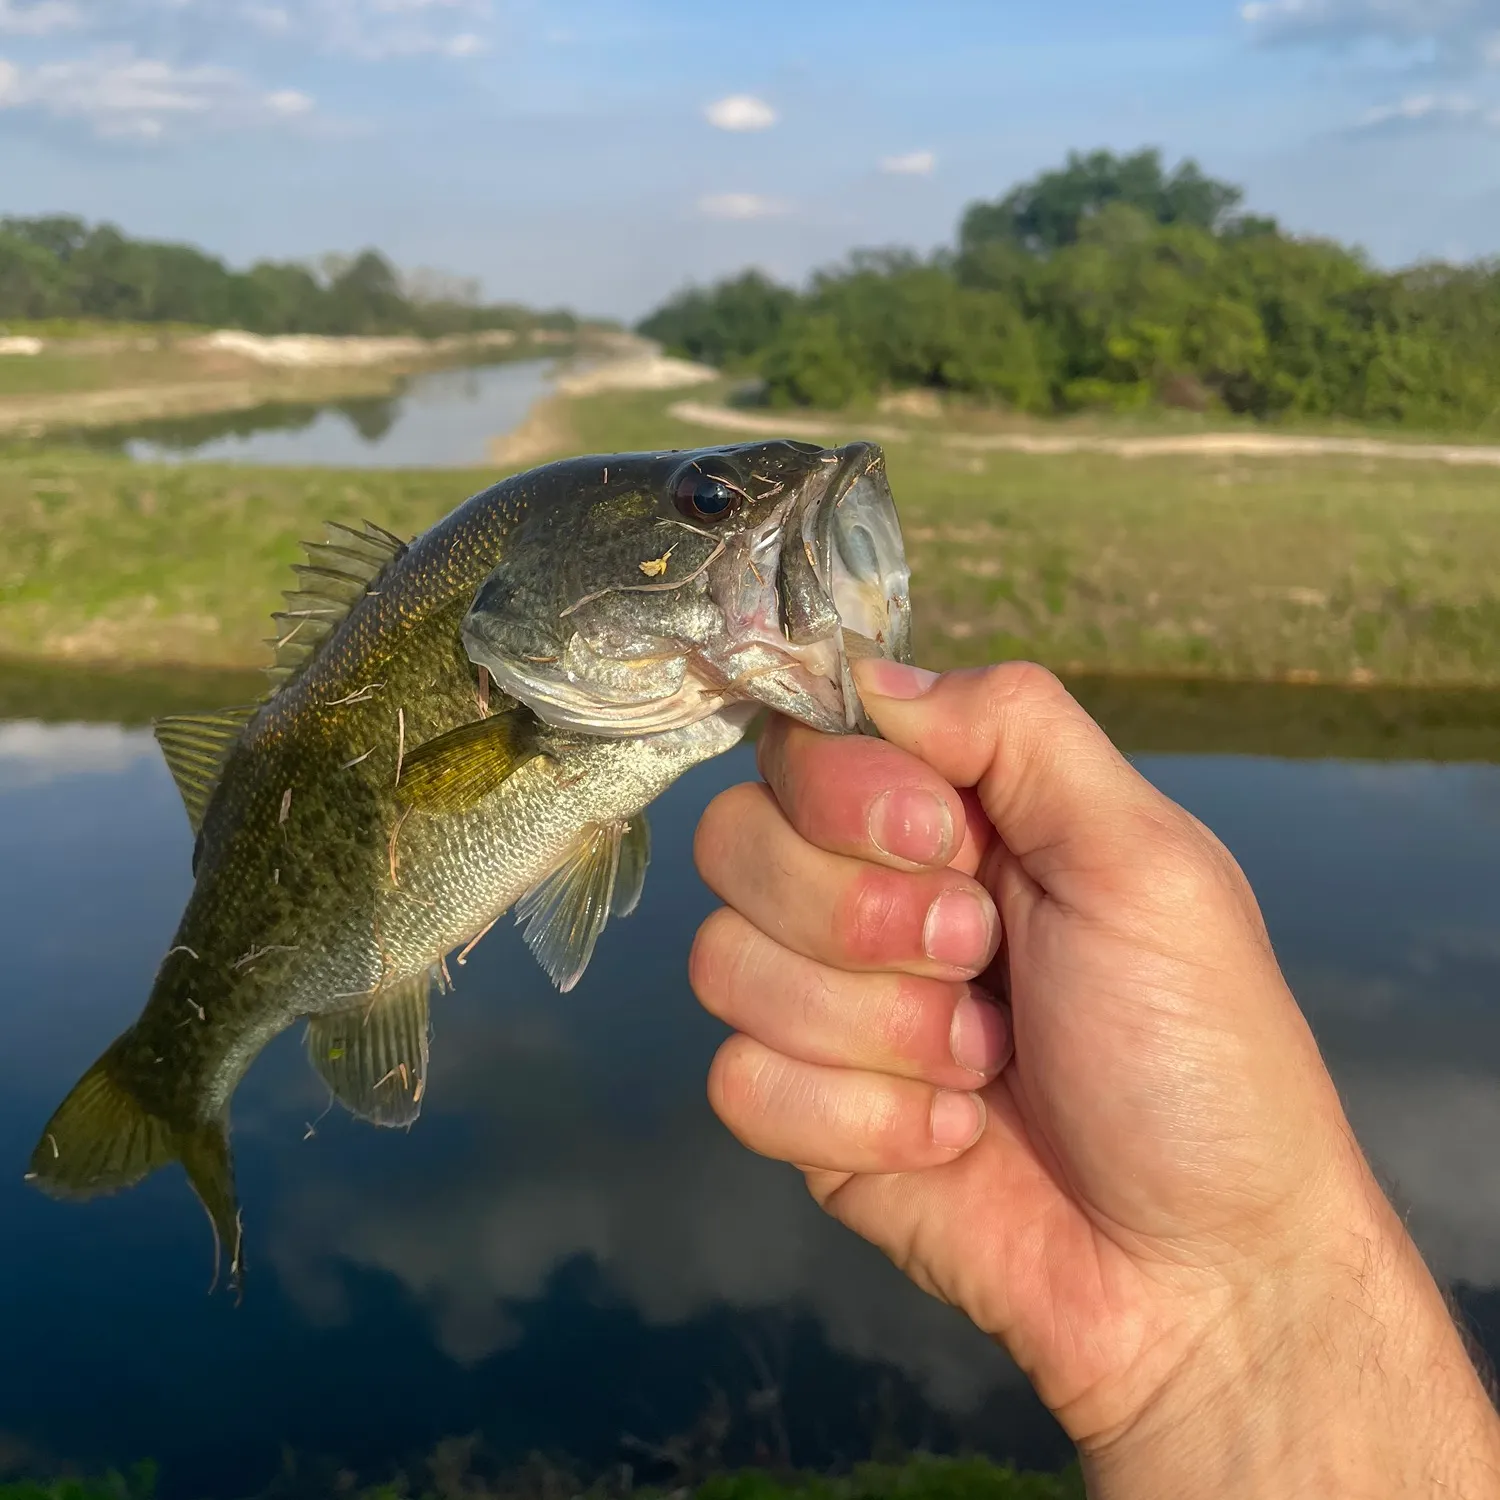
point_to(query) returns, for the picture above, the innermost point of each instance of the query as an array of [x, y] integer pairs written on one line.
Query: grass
[[1327, 570], [921, 1477], [1263, 570]]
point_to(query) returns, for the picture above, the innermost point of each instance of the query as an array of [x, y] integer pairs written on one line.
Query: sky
[[600, 154]]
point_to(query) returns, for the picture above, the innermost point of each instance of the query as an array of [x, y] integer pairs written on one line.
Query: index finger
[[850, 794]]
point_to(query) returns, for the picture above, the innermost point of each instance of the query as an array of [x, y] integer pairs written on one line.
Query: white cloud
[[39, 18], [739, 206], [32, 753], [124, 97], [909, 164], [740, 112], [375, 30], [274, 20], [288, 102], [1432, 109], [738, 1232], [367, 29], [1432, 1136], [1455, 30]]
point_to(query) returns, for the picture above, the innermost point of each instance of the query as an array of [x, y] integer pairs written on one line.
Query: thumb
[[1047, 776]]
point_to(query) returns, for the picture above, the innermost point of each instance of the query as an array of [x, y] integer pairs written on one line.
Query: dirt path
[[1205, 444]]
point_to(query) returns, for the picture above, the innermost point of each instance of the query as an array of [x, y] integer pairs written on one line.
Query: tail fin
[[102, 1139]]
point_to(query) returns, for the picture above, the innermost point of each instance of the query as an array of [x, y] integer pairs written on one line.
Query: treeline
[[61, 267], [1112, 283]]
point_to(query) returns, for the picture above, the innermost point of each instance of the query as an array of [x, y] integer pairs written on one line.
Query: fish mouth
[[824, 582]]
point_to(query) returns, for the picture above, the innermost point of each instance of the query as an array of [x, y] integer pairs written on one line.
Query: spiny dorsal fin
[[564, 914], [373, 1057], [452, 773], [195, 747], [338, 573]]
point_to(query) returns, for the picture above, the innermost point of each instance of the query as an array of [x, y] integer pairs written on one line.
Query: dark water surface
[[438, 419], [568, 1253]]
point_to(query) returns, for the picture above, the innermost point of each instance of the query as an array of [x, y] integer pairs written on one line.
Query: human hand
[[1119, 1153]]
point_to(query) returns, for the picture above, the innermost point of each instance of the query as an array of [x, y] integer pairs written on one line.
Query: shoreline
[[1339, 575], [226, 372], [1143, 714]]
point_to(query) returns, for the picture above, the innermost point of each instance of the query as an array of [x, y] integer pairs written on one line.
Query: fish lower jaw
[[809, 683]]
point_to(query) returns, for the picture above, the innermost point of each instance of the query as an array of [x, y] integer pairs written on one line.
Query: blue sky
[[600, 153]]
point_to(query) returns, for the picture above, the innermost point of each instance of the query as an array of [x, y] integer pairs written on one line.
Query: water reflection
[[439, 419], [568, 1250]]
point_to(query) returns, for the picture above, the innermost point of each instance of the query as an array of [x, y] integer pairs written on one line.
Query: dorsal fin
[[338, 573], [195, 747]]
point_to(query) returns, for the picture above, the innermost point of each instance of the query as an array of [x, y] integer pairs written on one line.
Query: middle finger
[[944, 1032], [840, 911]]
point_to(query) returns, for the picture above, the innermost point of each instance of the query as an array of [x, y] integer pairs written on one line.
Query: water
[[568, 1253], [441, 419]]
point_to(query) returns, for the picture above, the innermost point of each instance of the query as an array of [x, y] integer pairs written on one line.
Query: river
[[568, 1254], [439, 419]]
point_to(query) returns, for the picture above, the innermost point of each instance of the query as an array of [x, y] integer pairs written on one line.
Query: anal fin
[[564, 913], [373, 1056]]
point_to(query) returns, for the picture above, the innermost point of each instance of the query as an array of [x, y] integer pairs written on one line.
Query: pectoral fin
[[455, 771], [565, 913], [374, 1055]]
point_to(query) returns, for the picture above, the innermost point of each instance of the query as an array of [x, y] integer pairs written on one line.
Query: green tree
[[724, 324], [1048, 212]]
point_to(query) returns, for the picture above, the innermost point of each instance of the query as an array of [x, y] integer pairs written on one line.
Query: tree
[[725, 324], [1047, 213], [59, 266]]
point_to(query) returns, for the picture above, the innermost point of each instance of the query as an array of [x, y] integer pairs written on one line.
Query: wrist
[[1340, 1373]]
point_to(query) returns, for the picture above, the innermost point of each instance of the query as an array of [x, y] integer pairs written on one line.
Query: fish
[[467, 723]]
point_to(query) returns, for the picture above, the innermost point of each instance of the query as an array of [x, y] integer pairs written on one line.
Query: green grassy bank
[[919, 1478], [1245, 569]]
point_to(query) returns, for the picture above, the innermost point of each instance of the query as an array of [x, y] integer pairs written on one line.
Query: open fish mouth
[[824, 581]]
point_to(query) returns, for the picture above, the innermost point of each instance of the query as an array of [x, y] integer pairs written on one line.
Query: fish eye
[[703, 496]]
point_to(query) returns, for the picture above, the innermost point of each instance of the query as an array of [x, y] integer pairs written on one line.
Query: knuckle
[[1183, 874], [874, 905], [1025, 682], [713, 959], [871, 1115], [722, 827], [907, 1016], [737, 1084]]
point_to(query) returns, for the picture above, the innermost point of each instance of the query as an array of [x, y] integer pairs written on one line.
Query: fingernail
[[957, 1120], [959, 930], [980, 1037], [913, 824], [892, 679]]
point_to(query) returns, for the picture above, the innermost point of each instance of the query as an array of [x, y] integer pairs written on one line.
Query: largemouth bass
[[460, 725]]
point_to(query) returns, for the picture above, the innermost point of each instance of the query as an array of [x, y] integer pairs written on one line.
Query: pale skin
[[1017, 1018]]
